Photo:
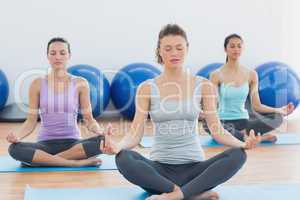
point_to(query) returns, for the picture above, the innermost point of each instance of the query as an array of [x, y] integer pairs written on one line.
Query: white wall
[[110, 34]]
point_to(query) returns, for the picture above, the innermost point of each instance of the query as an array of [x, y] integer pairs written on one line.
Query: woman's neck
[[175, 74], [232, 65], [58, 75]]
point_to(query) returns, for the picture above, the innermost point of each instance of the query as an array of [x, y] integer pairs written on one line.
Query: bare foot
[[87, 162], [208, 195], [269, 138], [157, 197], [175, 195]]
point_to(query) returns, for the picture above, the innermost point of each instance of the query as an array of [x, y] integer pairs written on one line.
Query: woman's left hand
[[108, 146], [252, 140], [286, 110]]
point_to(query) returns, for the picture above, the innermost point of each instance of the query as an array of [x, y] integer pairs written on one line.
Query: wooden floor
[[275, 164]]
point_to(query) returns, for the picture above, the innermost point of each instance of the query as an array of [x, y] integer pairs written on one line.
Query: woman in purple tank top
[[57, 97]]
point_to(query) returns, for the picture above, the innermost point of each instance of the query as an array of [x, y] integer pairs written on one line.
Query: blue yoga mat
[[208, 141], [244, 192], [7, 164]]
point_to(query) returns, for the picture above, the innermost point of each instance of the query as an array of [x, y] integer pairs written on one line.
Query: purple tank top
[[58, 112]]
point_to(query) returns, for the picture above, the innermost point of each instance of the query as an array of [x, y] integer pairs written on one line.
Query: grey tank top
[[175, 123]]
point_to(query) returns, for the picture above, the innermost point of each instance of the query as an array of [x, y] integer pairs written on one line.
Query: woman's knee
[[125, 163], [15, 150], [21, 153], [238, 155], [123, 157], [278, 118]]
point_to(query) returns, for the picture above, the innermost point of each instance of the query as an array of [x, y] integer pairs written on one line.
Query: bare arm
[[86, 108], [214, 78], [135, 135], [31, 121], [255, 100]]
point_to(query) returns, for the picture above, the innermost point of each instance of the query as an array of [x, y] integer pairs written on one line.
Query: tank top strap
[[72, 82], [220, 75], [72, 91], [154, 92], [248, 76], [44, 86]]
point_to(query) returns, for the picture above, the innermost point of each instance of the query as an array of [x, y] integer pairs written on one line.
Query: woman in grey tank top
[[177, 168]]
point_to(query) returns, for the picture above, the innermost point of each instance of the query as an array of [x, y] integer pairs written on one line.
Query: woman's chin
[[175, 66], [58, 67]]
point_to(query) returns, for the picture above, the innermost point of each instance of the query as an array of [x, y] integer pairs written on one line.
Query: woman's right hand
[[108, 146], [12, 138], [251, 140]]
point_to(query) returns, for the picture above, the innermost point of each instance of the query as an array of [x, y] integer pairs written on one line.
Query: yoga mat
[[8, 164], [237, 192], [105, 193], [208, 141]]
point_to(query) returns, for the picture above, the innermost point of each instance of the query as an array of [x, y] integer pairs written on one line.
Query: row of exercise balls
[[123, 87], [122, 90], [98, 84], [278, 83], [125, 83]]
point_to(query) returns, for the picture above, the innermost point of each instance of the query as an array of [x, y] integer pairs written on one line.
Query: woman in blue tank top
[[57, 98], [177, 168], [237, 87]]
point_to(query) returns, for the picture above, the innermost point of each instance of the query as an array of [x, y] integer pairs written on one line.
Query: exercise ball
[[207, 69], [125, 83], [278, 84], [4, 89], [99, 86]]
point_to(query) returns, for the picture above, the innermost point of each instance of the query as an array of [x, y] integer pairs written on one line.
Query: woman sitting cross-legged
[[177, 168], [57, 96]]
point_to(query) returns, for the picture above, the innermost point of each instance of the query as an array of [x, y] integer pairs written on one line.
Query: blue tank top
[[175, 122], [232, 101]]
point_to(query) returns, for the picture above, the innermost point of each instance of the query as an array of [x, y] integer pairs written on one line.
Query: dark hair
[[228, 38], [58, 39], [169, 29]]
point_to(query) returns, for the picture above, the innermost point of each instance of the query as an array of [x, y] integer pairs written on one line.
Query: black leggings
[[260, 123], [24, 151], [193, 178]]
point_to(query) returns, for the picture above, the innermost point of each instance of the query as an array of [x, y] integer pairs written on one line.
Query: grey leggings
[[193, 178], [24, 151], [260, 123]]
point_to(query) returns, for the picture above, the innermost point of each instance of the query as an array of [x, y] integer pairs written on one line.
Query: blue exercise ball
[[99, 86], [125, 83], [278, 84], [207, 69], [4, 89]]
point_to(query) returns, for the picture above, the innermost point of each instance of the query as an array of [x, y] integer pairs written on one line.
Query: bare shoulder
[[252, 75], [207, 86], [80, 80], [81, 83], [36, 84], [194, 77], [215, 75], [144, 88]]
